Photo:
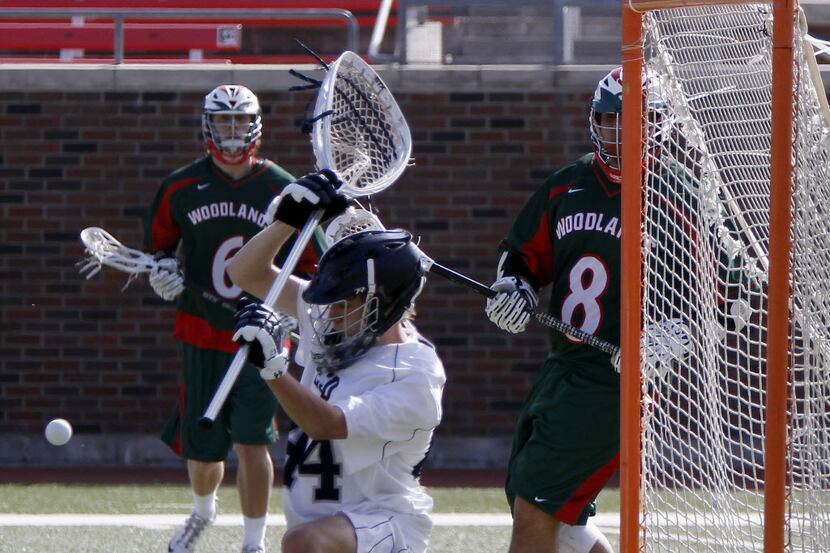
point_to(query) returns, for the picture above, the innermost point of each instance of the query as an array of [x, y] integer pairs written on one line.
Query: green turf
[[216, 540], [175, 499], [120, 540], [151, 499], [167, 499]]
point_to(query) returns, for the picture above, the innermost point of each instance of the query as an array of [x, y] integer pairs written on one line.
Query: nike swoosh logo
[[538, 499], [202, 186], [572, 190]]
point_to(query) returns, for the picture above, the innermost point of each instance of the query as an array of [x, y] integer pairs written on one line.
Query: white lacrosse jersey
[[391, 398]]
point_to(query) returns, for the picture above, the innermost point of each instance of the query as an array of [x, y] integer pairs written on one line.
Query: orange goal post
[[728, 447]]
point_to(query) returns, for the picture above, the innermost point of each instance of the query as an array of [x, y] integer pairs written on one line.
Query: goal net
[[705, 245]]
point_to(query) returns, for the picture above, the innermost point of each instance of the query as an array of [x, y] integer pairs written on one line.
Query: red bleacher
[[351, 5], [365, 11], [174, 36], [149, 37]]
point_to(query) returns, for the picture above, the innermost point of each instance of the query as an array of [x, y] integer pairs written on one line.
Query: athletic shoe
[[184, 540], [253, 549]]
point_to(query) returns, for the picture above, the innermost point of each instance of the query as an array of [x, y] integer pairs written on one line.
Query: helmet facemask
[[231, 124], [606, 119], [365, 284], [606, 124], [234, 136], [606, 135], [343, 331]]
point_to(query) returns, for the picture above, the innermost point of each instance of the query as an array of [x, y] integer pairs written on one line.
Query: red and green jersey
[[209, 216], [568, 236], [678, 222]]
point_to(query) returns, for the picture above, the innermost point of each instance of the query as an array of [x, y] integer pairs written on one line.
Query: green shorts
[[248, 416], [567, 440]]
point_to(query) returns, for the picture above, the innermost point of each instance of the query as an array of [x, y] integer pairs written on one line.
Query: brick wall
[[104, 359]]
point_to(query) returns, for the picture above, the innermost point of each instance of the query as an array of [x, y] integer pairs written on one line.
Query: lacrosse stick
[[545, 318], [359, 132], [357, 220], [102, 248]]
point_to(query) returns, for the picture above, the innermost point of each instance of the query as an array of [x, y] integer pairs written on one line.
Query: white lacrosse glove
[[307, 194], [271, 212], [511, 306], [740, 311], [166, 278], [665, 343], [264, 330]]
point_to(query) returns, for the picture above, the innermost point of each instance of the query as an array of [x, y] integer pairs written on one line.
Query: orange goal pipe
[[630, 281], [778, 336]]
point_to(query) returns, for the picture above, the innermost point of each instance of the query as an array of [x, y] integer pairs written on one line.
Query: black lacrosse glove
[[263, 329], [307, 194]]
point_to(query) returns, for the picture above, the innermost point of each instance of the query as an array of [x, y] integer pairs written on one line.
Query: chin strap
[[216, 153]]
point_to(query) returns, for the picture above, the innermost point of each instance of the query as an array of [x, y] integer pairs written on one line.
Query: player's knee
[[300, 540], [248, 453], [582, 539]]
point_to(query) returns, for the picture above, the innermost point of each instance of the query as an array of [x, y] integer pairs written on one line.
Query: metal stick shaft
[[545, 318], [235, 367]]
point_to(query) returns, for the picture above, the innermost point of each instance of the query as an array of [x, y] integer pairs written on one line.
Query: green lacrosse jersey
[[568, 235], [208, 216], [679, 221]]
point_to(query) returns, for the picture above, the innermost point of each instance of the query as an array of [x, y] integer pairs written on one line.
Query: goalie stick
[[358, 131]]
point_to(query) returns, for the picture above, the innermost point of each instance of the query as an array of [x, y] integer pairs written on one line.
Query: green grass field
[[174, 502]]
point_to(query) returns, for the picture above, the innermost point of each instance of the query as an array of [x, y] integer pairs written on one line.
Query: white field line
[[607, 521]]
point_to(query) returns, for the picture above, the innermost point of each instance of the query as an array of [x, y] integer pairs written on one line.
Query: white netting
[[365, 138], [705, 246], [809, 435], [102, 248]]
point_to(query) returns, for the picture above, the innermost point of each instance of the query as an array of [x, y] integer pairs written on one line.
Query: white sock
[[253, 533], [205, 505]]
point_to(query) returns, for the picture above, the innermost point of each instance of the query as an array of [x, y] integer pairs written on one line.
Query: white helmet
[[232, 140]]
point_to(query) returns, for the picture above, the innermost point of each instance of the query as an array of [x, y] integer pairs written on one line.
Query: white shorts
[[388, 532]]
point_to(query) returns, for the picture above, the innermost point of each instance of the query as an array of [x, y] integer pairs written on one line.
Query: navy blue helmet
[[365, 283]]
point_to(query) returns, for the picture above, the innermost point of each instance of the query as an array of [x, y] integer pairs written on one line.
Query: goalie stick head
[[357, 128], [364, 285], [365, 138], [231, 123]]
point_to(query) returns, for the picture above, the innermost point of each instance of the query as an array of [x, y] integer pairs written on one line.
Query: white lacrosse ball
[[58, 432]]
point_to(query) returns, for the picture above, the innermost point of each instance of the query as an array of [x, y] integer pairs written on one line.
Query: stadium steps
[[498, 35]]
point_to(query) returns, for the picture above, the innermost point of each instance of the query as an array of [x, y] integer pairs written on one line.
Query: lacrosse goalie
[[370, 393], [206, 211]]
